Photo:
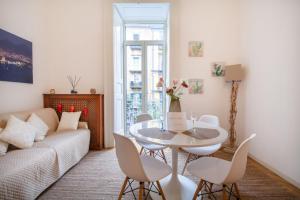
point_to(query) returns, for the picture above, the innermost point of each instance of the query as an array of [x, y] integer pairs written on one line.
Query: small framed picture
[[218, 69], [195, 86], [195, 49]]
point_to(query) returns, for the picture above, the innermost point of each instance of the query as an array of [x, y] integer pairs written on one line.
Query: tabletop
[[203, 134]]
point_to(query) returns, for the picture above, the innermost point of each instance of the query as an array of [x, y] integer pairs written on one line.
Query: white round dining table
[[176, 186]]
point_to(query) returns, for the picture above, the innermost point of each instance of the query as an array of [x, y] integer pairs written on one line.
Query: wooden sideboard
[[92, 103]]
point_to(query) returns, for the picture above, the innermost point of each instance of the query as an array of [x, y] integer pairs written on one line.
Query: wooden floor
[[98, 176]]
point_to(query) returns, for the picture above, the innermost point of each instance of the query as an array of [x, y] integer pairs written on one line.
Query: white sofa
[[26, 173]]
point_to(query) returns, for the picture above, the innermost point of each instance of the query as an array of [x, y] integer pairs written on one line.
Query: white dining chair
[[213, 170], [139, 168], [154, 150], [197, 152], [176, 121]]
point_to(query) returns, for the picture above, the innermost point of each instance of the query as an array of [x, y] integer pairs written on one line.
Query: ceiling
[[143, 11]]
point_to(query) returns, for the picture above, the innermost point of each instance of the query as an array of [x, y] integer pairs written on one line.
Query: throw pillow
[[69, 121], [39, 125], [3, 146], [18, 133]]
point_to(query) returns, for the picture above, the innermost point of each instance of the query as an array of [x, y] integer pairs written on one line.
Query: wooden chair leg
[[224, 193], [186, 162], [123, 188], [210, 186], [237, 190], [208, 189], [141, 151], [199, 188], [164, 157], [151, 153], [141, 190], [160, 190]]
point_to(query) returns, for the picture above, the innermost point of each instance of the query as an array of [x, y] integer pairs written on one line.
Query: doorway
[[144, 56]]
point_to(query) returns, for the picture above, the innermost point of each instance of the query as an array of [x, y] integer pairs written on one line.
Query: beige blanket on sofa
[[24, 174], [70, 147]]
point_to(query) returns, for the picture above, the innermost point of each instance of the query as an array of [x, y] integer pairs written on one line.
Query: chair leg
[[210, 189], [164, 157], [144, 193], [210, 186], [152, 153], [224, 193], [123, 188], [186, 162], [200, 186], [141, 151], [160, 190], [141, 190], [237, 190]]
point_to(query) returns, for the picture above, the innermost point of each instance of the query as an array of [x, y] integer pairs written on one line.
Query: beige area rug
[[98, 176]]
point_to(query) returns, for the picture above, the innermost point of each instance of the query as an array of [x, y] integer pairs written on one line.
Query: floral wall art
[[195, 49], [195, 86], [218, 69]]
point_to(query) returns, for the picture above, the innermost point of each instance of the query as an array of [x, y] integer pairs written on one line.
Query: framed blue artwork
[[15, 58]]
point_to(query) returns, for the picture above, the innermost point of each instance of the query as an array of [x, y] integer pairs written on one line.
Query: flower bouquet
[[175, 91]]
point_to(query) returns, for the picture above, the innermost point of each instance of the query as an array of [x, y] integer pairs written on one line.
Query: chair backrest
[[129, 158], [210, 119], [176, 121], [239, 162], [143, 117]]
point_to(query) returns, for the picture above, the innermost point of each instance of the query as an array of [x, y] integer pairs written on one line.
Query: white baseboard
[[288, 179]]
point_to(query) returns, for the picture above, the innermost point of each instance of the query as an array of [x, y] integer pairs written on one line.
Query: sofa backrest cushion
[[48, 115]]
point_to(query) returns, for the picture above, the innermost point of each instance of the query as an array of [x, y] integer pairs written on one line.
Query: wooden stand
[[94, 103], [233, 111]]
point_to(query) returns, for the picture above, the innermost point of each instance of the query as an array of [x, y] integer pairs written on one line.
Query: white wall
[[67, 39], [271, 95], [217, 25], [19, 96]]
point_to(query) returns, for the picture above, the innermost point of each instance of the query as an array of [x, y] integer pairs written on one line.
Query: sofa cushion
[[48, 115], [39, 125], [69, 121], [26, 173], [18, 133], [3, 146]]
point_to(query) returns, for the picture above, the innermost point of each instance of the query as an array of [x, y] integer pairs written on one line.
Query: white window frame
[[144, 44]]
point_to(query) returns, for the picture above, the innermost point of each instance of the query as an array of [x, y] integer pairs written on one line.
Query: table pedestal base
[[176, 188]]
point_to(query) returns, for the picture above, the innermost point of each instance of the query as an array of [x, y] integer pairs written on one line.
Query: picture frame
[[195, 86], [15, 58], [195, 49], [218, 69]]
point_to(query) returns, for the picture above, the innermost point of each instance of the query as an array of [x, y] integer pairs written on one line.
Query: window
[[136, 36], [136, 60], [144, 64], [144, 32]]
